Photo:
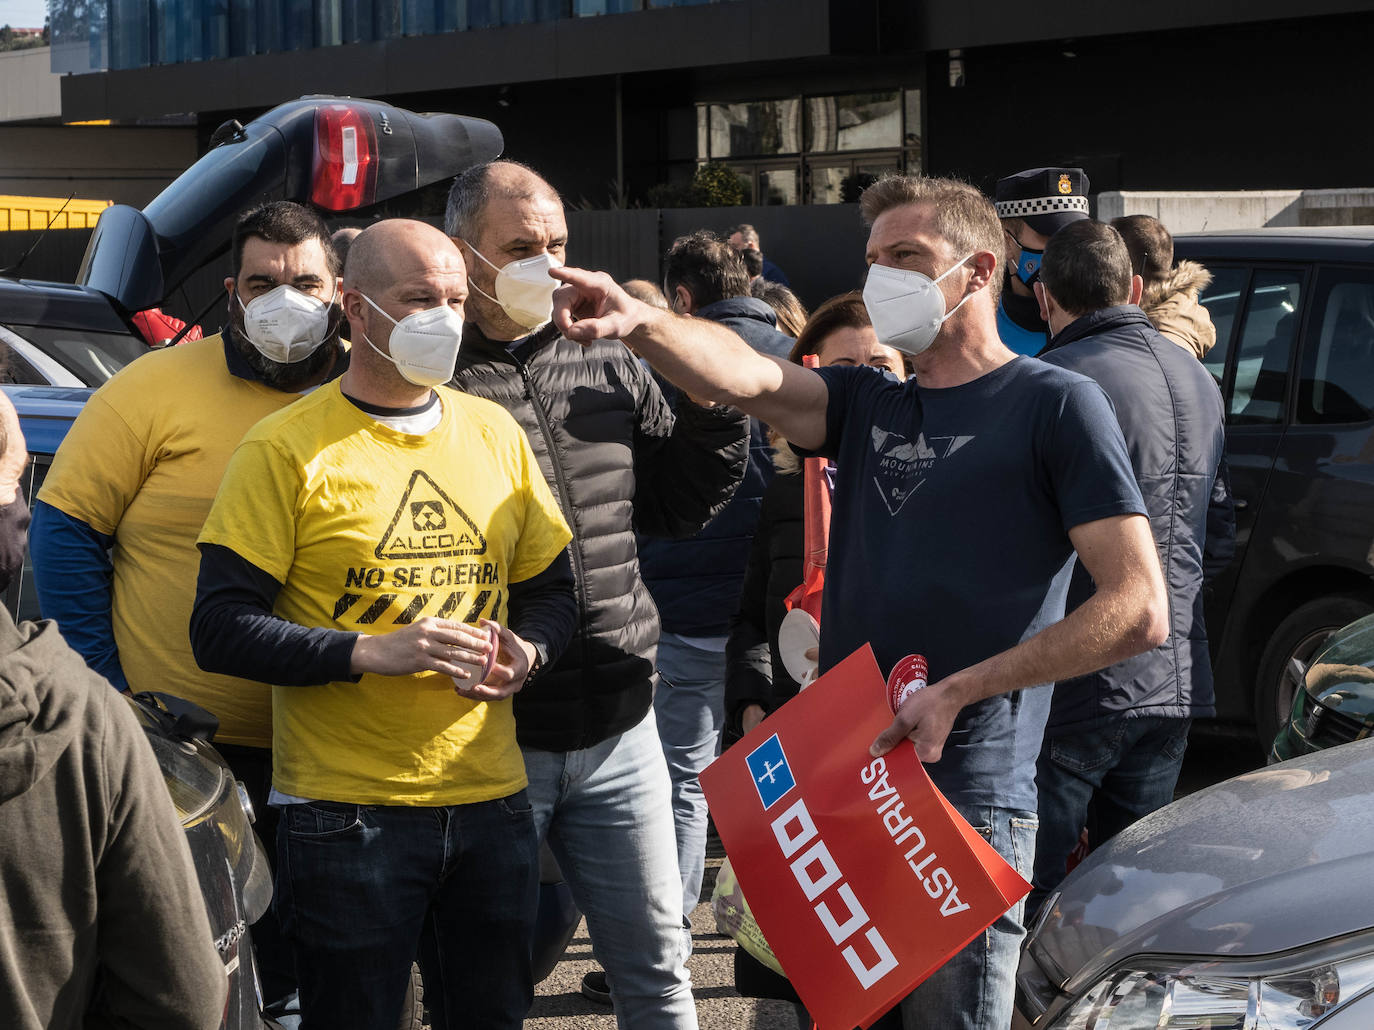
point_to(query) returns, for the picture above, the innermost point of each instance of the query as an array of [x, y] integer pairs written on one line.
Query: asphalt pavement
[[559, 1004]]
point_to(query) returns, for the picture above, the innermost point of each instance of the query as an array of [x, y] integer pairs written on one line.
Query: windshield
[[92, 357]]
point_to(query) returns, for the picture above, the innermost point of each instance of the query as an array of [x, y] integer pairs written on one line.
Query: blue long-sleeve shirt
[[75, 587]]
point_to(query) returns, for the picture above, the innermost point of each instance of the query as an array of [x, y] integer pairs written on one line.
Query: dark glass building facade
[[124, 34]]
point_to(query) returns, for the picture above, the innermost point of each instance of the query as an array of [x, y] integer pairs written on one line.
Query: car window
[[1337, 379], [14, 368], [1222, 301], [93, 357], [20, 598], [1264, 348]]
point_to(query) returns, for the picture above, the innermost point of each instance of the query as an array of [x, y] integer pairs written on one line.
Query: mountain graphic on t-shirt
[[429, 524], [902, 465]]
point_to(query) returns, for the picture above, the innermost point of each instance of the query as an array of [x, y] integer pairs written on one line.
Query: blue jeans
[[690, 707], [976, 988], [361, 889], [1120, 773], [608, 816]]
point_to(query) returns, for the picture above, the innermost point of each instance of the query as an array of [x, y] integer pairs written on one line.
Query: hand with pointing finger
[[592, 306]]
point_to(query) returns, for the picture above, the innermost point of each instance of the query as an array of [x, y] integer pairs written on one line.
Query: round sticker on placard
[[908, 676]]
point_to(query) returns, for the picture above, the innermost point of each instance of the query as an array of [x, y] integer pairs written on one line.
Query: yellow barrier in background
[[36, 212]]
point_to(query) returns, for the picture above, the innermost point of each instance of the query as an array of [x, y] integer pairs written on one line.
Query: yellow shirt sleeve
[[254, 514], [545, 532], [100, 467]]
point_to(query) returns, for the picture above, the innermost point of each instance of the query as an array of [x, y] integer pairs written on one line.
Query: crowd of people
[[469, 551]]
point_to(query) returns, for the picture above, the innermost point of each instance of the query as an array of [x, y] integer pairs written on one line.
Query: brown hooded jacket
[[1172, 306]]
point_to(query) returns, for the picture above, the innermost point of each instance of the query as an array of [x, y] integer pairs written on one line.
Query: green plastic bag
[[734, 919]]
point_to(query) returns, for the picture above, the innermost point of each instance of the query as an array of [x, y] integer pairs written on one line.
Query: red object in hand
[[907, 677], [816, 505], [862, 877], [159, 328]]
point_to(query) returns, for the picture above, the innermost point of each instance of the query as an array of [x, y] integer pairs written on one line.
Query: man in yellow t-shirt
[[115, 523], [390, 557]]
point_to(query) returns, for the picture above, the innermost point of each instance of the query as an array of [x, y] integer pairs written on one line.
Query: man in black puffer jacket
[[617, 460], [1115, 739]]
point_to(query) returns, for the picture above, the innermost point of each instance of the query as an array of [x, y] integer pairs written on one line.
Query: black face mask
[[14, 534]]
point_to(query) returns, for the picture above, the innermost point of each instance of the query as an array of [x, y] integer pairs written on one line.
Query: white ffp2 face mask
[[424, 345], [524, 288], [284, 324], [906, 307]]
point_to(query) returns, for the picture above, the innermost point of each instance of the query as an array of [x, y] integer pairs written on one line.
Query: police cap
[[1046, 199]]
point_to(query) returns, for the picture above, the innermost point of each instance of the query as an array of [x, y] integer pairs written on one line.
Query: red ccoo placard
[[862, 877]]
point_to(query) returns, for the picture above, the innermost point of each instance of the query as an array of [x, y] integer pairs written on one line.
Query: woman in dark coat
[[838, 333]]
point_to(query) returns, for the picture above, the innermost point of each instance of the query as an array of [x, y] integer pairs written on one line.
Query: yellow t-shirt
[[370, 529], [142, 463]]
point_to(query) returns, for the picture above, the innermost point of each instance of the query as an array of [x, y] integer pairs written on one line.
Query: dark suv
[[1294, 311]]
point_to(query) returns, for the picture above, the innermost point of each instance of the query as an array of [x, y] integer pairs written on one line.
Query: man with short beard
[[619, 460], [115, 524]]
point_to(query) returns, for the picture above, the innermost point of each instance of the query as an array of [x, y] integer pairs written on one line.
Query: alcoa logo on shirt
[[428, 524], [427, 527]]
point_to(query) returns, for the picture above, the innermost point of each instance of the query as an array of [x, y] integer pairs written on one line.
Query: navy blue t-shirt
[[949, 538]]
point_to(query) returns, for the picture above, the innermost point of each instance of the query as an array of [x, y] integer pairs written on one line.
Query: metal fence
[[820, 247]]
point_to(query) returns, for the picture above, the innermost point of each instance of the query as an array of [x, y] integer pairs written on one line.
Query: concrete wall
[[28, 88], [125, 165], [1197, 211], [1338, 207]]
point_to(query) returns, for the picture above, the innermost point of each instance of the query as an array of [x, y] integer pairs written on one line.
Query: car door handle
[[1240, 503]]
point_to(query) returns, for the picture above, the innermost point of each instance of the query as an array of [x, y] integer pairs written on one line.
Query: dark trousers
[[1123, 771], [361, 889]]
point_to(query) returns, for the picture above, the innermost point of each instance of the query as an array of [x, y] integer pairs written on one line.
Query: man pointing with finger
[[984, 474], [389, 557]]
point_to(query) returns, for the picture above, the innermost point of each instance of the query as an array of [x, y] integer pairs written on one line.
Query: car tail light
[[345, 173]]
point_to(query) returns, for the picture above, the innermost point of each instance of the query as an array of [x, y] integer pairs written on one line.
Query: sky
[[23, 13]]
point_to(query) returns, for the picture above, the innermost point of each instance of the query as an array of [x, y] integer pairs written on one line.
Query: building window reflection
[[834, 145], [93, 35], [763, 127], [858, 121]]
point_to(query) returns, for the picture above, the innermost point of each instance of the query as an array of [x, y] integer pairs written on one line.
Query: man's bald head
[[395, 269], [382, 254], [479, 185]]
